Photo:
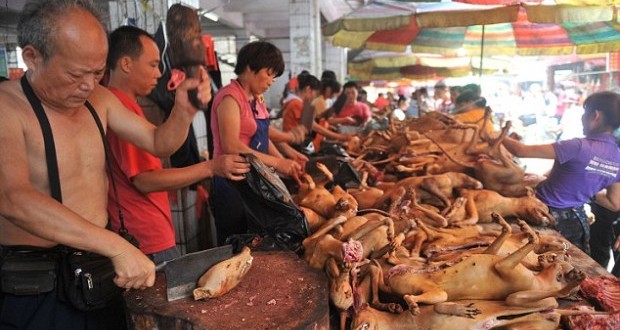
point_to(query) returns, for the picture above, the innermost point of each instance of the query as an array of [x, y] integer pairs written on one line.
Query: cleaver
[[307, 116], [182, 273]]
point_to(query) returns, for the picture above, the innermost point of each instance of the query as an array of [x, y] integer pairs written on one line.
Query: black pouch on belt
[[28, 270], [86, 280]]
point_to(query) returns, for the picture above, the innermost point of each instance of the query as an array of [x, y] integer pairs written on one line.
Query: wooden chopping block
[[279, 292]]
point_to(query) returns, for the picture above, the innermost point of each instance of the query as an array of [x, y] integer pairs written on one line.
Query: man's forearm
[[602, 198], [513, 146], [170, 135], [43, 217]]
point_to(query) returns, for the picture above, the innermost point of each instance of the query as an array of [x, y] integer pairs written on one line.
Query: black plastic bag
[[345, 175], [270, 209]]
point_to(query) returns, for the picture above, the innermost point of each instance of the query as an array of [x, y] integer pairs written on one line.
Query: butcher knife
[[307, 116], [182, 273]]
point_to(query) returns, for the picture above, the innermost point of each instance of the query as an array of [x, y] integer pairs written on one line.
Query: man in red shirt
[[141, 180], [381, 102]]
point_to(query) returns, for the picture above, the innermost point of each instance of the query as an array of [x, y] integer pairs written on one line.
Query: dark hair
[[362, 94], [441, 85], [259, 55], [38, 22], [328, 74], [401, 99], [457, 89], [608, 103], [350, 84], [341, 100], [468, 96], [473, 88], [125, 41], [307, 80], [330, 83]]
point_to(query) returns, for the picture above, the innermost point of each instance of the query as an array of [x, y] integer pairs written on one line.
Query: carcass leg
[[499, 241], [438, 219], [374, 272], [506, 266], [430, 185], [431, 295], [451, 308]]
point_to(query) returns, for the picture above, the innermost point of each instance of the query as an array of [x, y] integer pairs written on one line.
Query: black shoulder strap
[[99, 126], [48, 139], [108, 154], [50, 146]]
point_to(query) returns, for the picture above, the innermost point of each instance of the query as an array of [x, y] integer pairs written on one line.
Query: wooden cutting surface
[[279, 292]]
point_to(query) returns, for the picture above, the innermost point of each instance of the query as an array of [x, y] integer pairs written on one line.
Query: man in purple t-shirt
[[582, 168]]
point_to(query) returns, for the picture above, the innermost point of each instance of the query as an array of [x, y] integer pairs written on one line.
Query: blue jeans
[[572, 223]]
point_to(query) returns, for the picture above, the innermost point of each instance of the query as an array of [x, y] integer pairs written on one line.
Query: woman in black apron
[[258, 64], [226, 202]]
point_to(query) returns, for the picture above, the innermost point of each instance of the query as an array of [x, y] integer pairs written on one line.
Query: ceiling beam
[[255, 6]]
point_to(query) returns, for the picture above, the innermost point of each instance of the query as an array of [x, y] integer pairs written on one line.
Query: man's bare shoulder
[[102, 97], [12, 99]]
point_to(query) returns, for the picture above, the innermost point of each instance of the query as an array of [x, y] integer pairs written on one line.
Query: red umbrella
[[519, 38]]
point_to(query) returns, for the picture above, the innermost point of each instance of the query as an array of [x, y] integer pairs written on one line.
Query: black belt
[[561, 214], [26, 249]]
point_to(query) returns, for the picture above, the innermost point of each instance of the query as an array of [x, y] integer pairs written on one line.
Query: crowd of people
[[56, 189]]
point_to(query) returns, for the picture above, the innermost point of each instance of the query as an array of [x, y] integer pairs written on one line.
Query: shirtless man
[[65, 47]]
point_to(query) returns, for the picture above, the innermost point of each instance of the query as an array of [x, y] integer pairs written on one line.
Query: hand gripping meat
[[487, 276]]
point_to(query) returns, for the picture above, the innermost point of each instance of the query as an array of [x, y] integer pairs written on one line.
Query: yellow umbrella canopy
[[527, 29], [372, 65]]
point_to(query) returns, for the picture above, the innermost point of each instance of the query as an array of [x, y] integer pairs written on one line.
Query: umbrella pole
[[481, 56]]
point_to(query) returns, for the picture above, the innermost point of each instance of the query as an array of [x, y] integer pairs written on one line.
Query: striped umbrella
[[535, 30], [519, 38], [372, 65]]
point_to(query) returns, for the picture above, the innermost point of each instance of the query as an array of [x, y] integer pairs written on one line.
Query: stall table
[[280, 292]]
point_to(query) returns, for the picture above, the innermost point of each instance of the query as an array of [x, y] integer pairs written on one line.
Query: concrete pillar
[[335, 59], [242, 38], [305, 52]]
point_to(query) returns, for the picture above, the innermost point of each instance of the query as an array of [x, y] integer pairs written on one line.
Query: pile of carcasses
[[438, 235]]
